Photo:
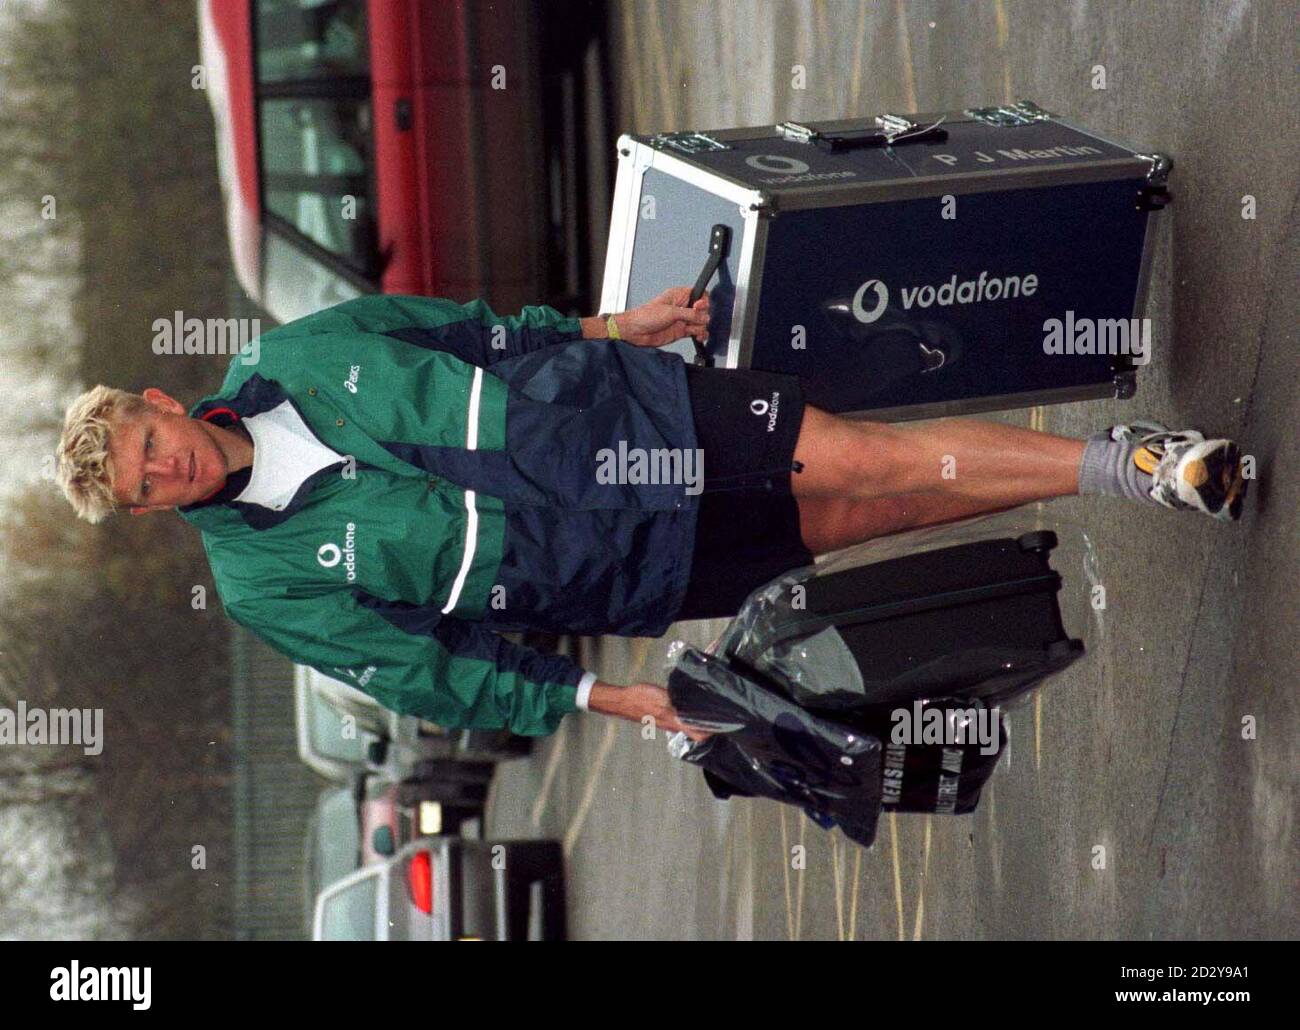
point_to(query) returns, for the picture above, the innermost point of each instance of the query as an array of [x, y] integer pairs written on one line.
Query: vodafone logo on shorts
[[769, 408]]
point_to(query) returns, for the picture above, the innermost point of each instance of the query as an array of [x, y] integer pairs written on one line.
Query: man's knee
[[830, 523]]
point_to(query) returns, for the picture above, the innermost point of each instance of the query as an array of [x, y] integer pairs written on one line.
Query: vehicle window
[[351, 701], [405, 921], [315, 169], [295, 285], [337, 848], [314, 127], [330, 738], [367, 717], [310, 39], [349, 915]]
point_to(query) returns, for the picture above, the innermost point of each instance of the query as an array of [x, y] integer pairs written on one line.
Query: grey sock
[[1107, 469]]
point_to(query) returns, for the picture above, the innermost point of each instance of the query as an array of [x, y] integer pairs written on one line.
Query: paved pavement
[[1137, 749]]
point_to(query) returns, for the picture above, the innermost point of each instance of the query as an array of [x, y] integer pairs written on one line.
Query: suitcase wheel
[[1043, 540], [1059, 649]]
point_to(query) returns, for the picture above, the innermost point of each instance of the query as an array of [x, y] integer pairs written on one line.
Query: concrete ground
[[1139, 748]]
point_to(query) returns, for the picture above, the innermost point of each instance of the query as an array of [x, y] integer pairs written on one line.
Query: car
[[343, 730], [408, 146], [371, 819], [394, 814], [449, 889], [438, 779], [338, 739]]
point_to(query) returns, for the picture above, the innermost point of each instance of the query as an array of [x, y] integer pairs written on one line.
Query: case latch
[[1022, 112], [686, 142], [797, 133], [1154, 195]]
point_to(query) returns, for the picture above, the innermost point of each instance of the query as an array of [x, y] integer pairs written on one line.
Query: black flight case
[[904, 266]]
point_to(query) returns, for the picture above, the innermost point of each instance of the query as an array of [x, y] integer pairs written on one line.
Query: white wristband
[[584, 690]]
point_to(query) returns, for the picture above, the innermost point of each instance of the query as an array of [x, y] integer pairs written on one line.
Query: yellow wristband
[[611, 327]]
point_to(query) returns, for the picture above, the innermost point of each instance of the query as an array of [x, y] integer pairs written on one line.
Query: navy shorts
[[747, 533]]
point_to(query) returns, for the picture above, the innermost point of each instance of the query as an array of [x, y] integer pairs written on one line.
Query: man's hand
[[634, 703], [659, 321]]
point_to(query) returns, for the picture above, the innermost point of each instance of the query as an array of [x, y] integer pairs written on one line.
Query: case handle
[[719, 239], [893, 130]]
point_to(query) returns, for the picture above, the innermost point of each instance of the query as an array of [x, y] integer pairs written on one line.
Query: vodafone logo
[[329, 555], [970, 291], [781, 170], [881, 293], [760, 407], [776, 163]]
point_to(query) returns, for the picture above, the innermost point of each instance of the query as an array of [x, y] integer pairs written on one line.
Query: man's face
[[164, 458]]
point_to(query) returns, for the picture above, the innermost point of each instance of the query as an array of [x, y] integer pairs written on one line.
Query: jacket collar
[[255, 396]]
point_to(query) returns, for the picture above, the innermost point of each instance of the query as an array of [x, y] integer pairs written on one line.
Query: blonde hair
[[84, 466]]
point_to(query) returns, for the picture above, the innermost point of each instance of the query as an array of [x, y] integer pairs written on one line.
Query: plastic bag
[[764, 745]]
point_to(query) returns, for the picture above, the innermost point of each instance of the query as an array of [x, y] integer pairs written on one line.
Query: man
[[397, 478]]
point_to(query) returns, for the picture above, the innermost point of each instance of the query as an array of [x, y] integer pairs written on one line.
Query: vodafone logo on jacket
[[329, 555]]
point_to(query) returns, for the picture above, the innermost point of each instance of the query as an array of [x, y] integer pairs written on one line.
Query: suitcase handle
[[719, 241], [894, 130], [912, 605]]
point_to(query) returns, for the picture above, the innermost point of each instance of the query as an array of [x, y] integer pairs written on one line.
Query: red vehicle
[[408, 146]]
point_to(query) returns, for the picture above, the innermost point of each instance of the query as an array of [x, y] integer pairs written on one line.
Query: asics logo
[[365, 676], [350, 384]]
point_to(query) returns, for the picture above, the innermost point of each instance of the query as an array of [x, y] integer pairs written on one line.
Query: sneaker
[[1188, 472]]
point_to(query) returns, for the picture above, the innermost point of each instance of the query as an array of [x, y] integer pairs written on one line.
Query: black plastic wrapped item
[[943, 778], [764, 745]]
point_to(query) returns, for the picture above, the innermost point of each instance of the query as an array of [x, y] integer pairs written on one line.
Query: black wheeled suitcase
[[815, 677], [978, 620], [901, 266]]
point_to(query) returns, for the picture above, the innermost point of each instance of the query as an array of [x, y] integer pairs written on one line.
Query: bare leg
[[986, 463], [829, 523]]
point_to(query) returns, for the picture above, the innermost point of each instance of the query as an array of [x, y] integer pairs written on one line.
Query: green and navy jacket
[[466, 502]]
